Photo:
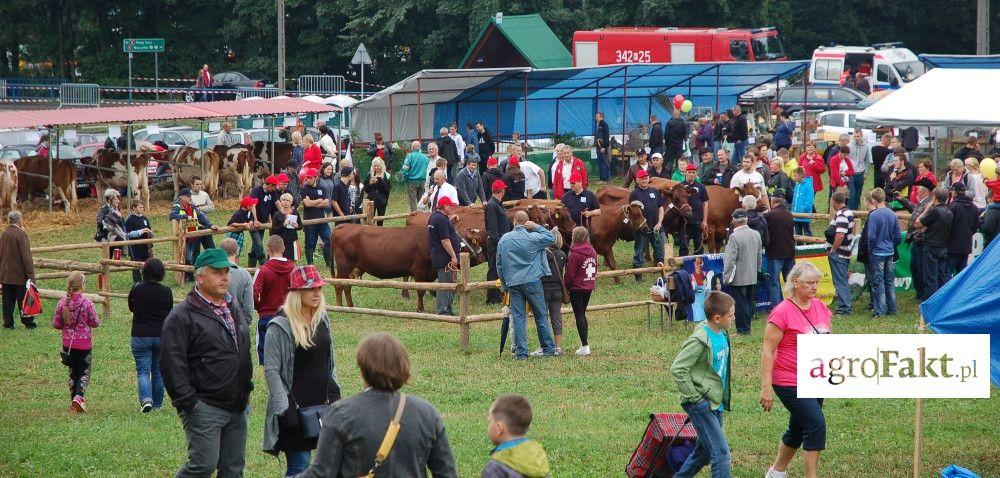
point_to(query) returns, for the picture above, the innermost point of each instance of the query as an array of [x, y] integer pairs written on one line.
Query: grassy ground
[[589, 413]]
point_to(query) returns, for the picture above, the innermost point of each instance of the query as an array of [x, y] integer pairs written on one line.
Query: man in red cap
[[444, 247], [652, 210], [699, 220], [314, 204], [580, 202], [266, 195], [492, 172], [514, 179], [497, 224], [289, 184], [240, 221]]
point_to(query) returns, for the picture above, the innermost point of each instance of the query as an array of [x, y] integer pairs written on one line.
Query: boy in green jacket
[[701, 370], [515, 456]]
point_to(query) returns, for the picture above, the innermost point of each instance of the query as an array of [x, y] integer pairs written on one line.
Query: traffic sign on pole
[[143, 45], [361, 58]]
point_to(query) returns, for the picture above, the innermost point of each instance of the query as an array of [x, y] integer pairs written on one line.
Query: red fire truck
[[609, 46]]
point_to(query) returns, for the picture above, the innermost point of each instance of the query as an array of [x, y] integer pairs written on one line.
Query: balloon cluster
[[682, 104]]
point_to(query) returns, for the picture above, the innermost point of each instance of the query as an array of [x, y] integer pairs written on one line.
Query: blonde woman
[[286, 223], [377, 186], [311, 155], [75, 316], [977, 186], [300, 371]]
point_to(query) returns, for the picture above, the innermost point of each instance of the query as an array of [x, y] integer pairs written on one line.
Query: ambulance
[[888, 65]]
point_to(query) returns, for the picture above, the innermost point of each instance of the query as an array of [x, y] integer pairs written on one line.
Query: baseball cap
[[310, 173], [640, 152], [499, 185], [739, 214], [282, 178], [184, 192], [576, 178], [641, 174], [925, 182], [492, 161], [959, 186], [445, 201], [272, 180], [691, 167], [215, 258], [306, 277], [657, 155], [248, 202]]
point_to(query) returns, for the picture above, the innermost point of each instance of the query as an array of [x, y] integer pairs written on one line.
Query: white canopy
[[940, 97], [342, 101]]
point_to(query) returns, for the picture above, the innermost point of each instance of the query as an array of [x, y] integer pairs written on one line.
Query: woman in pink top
[[75, 316], [800, 313]]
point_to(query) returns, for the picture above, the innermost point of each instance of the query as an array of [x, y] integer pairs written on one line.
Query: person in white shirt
[[225, 137], [748, 175], [199, 198], [459, 143], [327, 144], [439, 189], [434, 162]]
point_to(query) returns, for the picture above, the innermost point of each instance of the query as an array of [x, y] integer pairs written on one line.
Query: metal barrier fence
[[79, 94], [268, 92], [321, 84]]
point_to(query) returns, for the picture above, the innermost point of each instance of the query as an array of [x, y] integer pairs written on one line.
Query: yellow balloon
[[989, 168]]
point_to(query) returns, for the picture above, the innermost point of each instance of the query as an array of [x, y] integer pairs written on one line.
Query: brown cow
[[8, 187], [618, 196], [236, 168], [721, 204], [262, 156], [188, 163], [391, 252], [33, 177], [109, 170], [611, 225]]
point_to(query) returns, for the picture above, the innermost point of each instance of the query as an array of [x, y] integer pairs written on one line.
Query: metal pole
[[717, 75], [130, 78], [202, 147], [526, 106], [128, 165], [983, 27], [270, 138], [390, 121], [156, 79], [50, 162], [496, 129], [362, 80], [281, 46], [805, 110], [420, 108], [624, 103]]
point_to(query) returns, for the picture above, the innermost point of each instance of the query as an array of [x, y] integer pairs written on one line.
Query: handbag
[[311, 420], [31, 306], [389, 439]]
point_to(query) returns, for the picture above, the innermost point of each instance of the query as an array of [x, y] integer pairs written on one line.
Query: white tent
[[941, 97], [314, 99], [342, 101]]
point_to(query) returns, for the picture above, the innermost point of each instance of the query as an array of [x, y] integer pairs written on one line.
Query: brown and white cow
[[263, 157], [8, 187], [33, 178], [111, 171], [188, 163], [236, 168]]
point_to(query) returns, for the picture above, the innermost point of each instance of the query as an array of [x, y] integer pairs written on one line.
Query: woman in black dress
[[377, 187], [286, 222]]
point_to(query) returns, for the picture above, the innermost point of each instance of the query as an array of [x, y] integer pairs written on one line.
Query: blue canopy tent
[[970, 304], [977, 62], [541, 102]]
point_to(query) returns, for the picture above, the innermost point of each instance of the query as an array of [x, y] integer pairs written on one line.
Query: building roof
[[529, 35], [159, 112]]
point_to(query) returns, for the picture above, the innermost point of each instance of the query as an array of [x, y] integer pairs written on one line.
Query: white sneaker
[[559, 351], [537, 353], [772, 473], [583, 351]]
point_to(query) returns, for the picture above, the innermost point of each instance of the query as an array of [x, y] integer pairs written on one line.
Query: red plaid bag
[[31, 306], [664, 430]]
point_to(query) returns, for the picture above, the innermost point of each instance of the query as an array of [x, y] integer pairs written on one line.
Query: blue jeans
[[883, 283], [916, 270], [603, 165], [256, 255], [642, 239], [956, 263], [838, 269], [935, 269], [261, 333], [803, 229], [298, 461], [739, 149], [193, 249], [320, 231], [146, 351], [774, 268], [855, 185], [444, 299], [534, 294], [711, 446]]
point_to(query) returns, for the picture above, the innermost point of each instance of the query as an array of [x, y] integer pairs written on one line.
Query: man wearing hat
[[698, 223], [497, 224], [914, 235], [965, 218], [444, 247], [341, 200], [288, 182], [207, 370], [579, 201], [241, 220], [188, 215], [265, 196], [492, 173], [740, 266], [652, 211], [314, 204], [641, 164]]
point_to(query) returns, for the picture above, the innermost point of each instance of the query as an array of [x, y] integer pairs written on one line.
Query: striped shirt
[[844, 224]]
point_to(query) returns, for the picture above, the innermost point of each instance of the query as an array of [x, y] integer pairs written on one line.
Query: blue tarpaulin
[[540, 102], [976, 62], [970, 304]]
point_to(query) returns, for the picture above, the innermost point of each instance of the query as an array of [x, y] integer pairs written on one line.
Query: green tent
[[517, 41]]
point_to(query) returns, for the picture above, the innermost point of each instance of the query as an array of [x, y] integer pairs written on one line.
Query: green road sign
[[143, 45]]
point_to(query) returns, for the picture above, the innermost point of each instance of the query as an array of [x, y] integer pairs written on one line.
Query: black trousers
[[690, 232], [492, 295], [579, 299], [379, 211], [743, 295], [79, 371], [13, 295]]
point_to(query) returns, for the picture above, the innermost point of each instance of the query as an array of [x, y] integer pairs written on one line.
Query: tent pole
[[51, 199], [624, 114], [557, 116], [496, 132], [390, 121], [717, 75], [525, 106], [270, 139], [420, 112], [805, 110], [128, 165]]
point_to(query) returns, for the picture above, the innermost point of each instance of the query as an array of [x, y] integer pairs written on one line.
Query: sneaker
[[78, 404], [583, 351], [30, 326], [638, 278], [146, 407], [772, 473], [537, 353], [559, 351]]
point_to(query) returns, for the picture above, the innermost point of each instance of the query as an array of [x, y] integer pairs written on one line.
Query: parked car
[[235, 79], [820, 97], [84, 186], [89, 149], [834, 123], [210, 140], [143, 133], [175, 138]]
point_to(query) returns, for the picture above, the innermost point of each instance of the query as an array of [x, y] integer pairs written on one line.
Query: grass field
[[589, 413]]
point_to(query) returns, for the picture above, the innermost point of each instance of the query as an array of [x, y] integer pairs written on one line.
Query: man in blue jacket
[[883, 237], [521, 264]]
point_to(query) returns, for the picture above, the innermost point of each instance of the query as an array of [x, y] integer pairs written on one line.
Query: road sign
[[143, 45], [361, 56]]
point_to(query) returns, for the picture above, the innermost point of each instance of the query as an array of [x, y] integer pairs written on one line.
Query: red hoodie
[[581, 267], [836, 179], [270, 286], [814, 167]]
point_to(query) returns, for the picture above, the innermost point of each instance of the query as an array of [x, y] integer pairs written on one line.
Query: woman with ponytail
[[299, 369], [75, 316]]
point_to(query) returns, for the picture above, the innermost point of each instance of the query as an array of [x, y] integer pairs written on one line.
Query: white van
[[888, 65]]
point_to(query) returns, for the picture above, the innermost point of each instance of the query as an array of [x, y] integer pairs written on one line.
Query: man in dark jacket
[[469, 184], [719, 172], [676, 133], [990, 223], [780, 248], [16, 267], [602, 143], [936, 222], [965, 217], [207, 370], [497, 224], [739, 133], [492, 173], [486, 145], [655, 136], [188, 215], [449, 151]]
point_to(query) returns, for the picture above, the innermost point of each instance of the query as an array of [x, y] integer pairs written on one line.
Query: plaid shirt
[[650, 456], [223, 312]]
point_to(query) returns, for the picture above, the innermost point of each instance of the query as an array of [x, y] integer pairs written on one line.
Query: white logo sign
[[894, 366]]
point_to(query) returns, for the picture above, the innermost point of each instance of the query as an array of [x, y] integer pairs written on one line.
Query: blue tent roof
[[961, 61], [540, 102], [968, 304]]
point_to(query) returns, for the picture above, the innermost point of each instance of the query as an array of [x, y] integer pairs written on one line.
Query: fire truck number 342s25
[[632, 56]]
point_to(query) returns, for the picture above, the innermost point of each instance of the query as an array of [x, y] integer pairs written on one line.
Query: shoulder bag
[[389, 439]]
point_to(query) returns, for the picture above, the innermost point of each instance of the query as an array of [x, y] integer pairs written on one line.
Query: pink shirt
[[793, 321]]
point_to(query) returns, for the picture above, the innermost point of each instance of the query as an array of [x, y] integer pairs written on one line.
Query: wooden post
[[368, 209], [463, 301], [179, 255], [106, 282], [917, 431]]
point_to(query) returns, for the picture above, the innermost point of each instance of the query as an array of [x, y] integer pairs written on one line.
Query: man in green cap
[[207, 370]]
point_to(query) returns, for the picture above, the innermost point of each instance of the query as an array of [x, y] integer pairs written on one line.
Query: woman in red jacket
[[925, 169], [841, 169], [580, 277], [812, 163]]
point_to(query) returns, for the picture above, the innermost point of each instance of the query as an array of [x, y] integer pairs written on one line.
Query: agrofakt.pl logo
[[894, 366]]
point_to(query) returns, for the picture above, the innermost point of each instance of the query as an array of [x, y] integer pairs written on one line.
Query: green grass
[[588, 413]]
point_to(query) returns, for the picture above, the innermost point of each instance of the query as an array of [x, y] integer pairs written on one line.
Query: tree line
[[81, 40]]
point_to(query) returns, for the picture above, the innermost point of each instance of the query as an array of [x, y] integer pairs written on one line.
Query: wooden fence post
[[368, 209], [179, 249], [106, 282], [463, 301]]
